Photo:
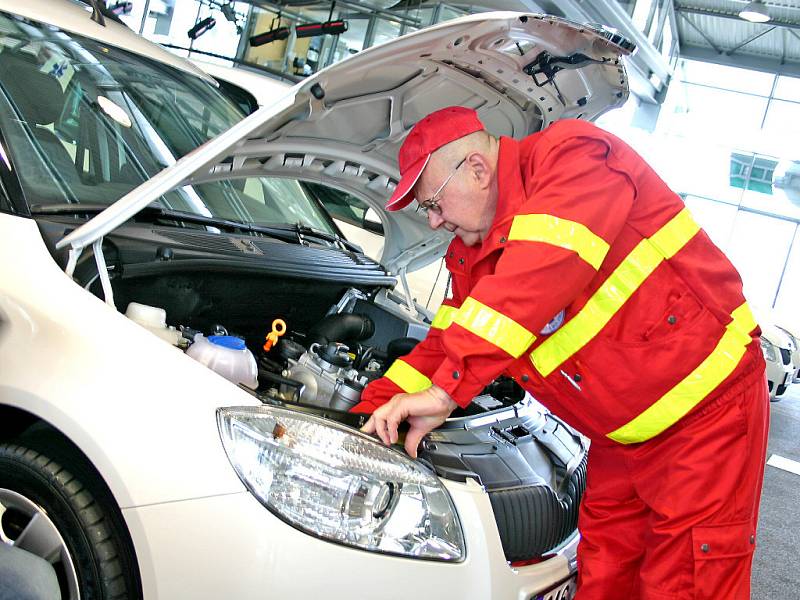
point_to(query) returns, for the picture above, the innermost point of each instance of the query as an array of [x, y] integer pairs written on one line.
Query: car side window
[[346, 207], [243, 99], [356, 219]]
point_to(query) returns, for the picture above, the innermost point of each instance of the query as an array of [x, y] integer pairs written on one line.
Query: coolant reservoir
[[154, 319], [228, 356]]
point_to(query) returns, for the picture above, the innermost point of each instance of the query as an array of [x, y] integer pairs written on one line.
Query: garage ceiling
[[712, 30], [709, 30]]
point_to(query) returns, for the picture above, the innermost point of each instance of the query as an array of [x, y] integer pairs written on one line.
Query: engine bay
[[326, 366]]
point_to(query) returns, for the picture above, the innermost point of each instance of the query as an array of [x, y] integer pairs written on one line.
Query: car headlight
[[339, 484], [769, 350]]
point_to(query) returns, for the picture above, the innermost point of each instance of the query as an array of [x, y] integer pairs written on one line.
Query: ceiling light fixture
[[755, 12]]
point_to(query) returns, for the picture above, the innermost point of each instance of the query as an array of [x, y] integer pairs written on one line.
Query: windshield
[[87, 123]]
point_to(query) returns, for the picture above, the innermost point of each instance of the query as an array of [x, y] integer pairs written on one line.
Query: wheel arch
[[20, 426]]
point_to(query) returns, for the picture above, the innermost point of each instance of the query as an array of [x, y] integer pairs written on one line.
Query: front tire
[[54, 507]]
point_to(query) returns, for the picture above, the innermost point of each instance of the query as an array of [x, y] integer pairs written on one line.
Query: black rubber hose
[[344, 327], [399, 347]]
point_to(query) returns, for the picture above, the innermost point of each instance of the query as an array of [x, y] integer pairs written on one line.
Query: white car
[[151, 455], [792, 329], [777, 347], [246, 86]]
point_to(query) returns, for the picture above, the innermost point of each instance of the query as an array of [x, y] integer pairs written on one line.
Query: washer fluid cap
[[227, 341]]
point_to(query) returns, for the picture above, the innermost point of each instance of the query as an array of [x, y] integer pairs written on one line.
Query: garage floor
[[776, 567]]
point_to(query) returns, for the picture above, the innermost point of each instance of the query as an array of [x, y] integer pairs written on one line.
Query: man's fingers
[[413, 438], [380, 429], [392, 423], [369, 426]]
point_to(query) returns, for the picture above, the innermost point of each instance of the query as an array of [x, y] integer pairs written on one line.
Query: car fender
[[141, 410]]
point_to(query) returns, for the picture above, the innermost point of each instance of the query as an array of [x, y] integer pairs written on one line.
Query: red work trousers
[[675, 518]]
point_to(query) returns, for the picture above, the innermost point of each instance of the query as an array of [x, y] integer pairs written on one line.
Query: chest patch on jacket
[[554, 323]]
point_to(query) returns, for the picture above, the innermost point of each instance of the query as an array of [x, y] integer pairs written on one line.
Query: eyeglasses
[[432, 203]]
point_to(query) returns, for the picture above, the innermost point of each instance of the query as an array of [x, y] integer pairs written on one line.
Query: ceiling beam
[[752, 38], [742, 61], [703, 35], [693, 10]]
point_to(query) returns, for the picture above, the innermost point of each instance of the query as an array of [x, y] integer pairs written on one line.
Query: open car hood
[[344, 126]]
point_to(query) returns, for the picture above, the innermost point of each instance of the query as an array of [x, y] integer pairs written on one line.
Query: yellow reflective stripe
[[673, 405], [674, 235], [494, 327], [444, 317], [407, 377], [564, 233], [614, 292]]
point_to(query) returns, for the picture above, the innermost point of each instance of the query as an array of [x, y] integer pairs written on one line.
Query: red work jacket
[[594, 289]]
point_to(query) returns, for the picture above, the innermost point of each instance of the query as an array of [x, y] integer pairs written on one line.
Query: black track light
[[273, 35], [201, 27], [121, 8], [327, 28]]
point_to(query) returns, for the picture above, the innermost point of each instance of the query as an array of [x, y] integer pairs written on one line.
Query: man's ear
[[481, 168]]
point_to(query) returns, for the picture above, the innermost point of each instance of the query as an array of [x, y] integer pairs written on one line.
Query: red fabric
[[376, 394], [425, 358], [671, 323], [675, 518]]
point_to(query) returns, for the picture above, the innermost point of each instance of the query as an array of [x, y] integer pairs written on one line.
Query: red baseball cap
[[428, 135]]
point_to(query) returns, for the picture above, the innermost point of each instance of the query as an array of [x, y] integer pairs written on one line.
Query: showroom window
[[726, 141], [385, 30], [168, 22], [351, 41]]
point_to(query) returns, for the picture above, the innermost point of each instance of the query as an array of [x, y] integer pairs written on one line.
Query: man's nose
[[435, 220]]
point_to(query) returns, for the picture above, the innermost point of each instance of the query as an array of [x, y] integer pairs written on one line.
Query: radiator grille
[[786, 355]]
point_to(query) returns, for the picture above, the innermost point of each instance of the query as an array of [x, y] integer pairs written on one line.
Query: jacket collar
[[510, 196], [510, 188]]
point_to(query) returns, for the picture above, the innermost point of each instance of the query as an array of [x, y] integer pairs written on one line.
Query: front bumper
[[232, 547]]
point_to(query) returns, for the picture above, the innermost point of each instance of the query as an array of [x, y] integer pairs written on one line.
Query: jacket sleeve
[[412, 372], [555, 246]]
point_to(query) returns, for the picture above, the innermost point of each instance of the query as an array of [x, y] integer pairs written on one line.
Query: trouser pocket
[[722, 557]]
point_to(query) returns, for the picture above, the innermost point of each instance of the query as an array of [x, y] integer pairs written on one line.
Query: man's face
[[459, 206]]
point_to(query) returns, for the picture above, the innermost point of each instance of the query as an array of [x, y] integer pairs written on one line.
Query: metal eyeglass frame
[[432, 203]]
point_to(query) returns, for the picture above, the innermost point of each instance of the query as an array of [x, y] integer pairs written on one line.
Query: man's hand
[[424, 411]]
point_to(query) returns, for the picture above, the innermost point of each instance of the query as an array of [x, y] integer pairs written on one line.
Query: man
[[577, 272]]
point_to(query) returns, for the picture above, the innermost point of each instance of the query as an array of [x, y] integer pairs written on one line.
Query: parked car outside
[[155, 244], [778, 347], [791, 328]]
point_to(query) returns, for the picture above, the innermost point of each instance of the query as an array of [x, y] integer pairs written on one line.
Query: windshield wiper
[[306, 231], [67, 209], [155, 213], [292, 233]]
